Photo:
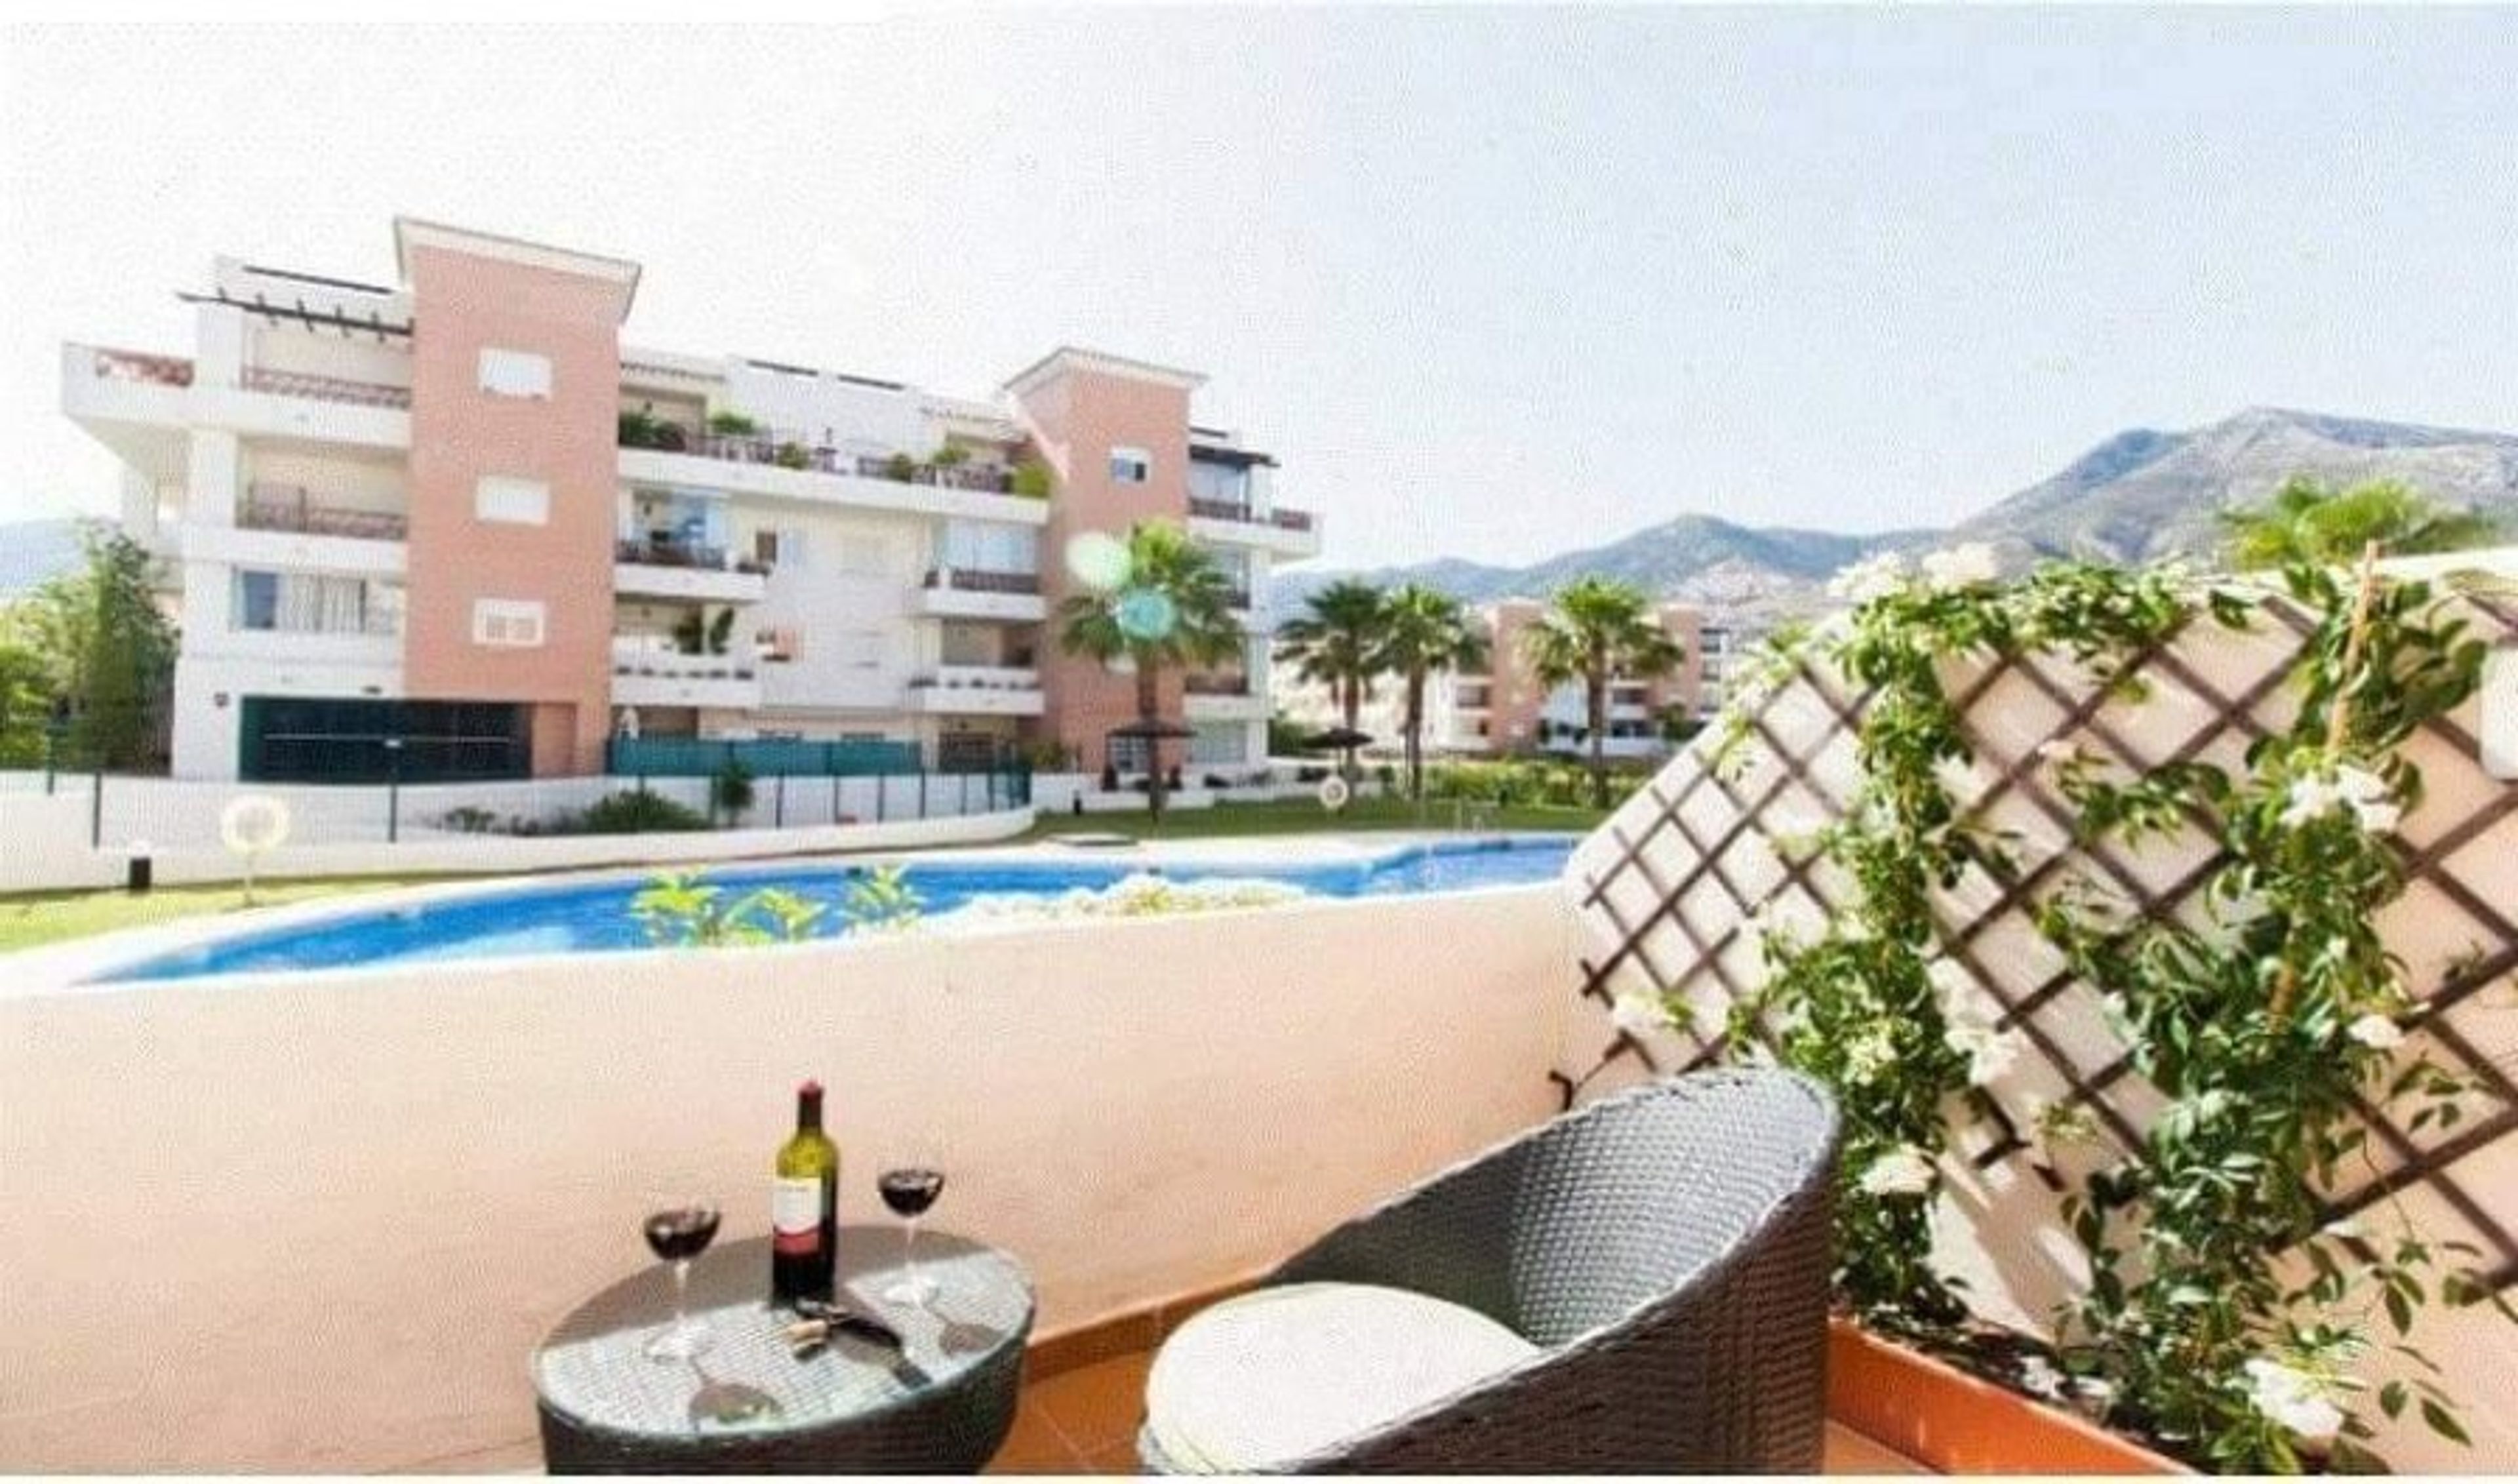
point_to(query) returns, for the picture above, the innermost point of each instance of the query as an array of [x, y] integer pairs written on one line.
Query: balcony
[[293, 508], [145, 404], [1221, 698], [651, 671], [964, 592], [692, 571], [310, 387], [1286, 532], [141, 366], [763, 460], [976, 691]]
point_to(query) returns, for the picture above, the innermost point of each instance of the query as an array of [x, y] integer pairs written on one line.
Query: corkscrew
[[811, 1333]]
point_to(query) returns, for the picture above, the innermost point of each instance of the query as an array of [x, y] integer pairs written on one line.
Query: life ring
[[253, 824], [1334, 793]]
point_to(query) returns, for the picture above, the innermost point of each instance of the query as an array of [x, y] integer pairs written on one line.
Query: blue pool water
[[594, 917]]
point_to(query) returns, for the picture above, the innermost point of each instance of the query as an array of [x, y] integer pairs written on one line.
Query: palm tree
[[1338, 643], [1423, 631], [2308, 521], [1594, 629], [1174, 609]]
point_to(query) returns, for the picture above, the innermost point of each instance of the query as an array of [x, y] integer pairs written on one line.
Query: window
[[977, 546], [511, 502], [1223, 484], [507, 624], [780, 546], [515, 373], [1220, 744], [1131, 465], [306, 602]]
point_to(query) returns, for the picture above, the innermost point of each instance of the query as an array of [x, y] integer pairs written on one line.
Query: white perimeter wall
[[316, 1222]]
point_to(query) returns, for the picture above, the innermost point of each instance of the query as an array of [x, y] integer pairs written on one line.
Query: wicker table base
[[943, 1405]]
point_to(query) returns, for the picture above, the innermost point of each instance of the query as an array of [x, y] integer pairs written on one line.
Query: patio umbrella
[[1345, 739], [1153, 730]]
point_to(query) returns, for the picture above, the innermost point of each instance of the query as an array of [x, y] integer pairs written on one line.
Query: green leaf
[[2443, 1422]]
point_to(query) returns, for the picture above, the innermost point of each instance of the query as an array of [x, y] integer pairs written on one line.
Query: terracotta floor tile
[[1849, 1452], [524, 1455], [1098, 1405], [1034, 1446]]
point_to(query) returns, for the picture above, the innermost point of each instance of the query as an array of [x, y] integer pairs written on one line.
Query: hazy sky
[[1491, 285]]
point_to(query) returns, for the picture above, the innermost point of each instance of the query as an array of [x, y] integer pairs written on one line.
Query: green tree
[[109, 649], [1174, 610], [1597, 629], [2305, 521], [26, 690], [1423, 631], [1336, 643]]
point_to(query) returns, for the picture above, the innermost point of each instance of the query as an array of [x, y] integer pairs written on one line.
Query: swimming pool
[[594, 917]]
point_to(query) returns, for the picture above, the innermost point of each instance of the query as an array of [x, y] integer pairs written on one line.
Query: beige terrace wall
[[1672, 876], [317, 1221]]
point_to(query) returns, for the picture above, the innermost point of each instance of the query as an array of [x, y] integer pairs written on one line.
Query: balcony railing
[[291, 507], [789, 449], [975, 580], [976, 677], [647, 552], [647, 655], [290, 383], [1233, 511], [1216, 685], [141, 366]]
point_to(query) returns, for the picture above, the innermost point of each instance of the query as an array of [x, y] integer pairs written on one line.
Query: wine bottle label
[[795, 1215]]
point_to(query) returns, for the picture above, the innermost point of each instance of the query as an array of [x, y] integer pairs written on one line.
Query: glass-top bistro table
[[942, 1404]]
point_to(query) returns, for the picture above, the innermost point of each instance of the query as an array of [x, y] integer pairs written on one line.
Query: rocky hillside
[[2140, 494]]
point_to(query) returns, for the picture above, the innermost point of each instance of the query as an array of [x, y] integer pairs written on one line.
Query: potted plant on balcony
[[1031, 479], [792, 455], [900, 468], [728, 424], [719, 630]]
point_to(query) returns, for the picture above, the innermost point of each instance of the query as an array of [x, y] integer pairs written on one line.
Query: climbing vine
[[2262, 1025]]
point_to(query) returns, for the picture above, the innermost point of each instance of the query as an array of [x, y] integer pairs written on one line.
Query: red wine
[[678, 1235], [805, 1206], [910, 1192]]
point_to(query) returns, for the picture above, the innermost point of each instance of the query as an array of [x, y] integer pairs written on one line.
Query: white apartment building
[[457, 527]]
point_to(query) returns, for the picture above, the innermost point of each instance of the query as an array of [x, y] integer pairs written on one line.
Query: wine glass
[[909, 1187], [676, 1235]]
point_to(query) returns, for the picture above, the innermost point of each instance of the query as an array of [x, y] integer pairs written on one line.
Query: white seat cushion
[[1285, 1371]]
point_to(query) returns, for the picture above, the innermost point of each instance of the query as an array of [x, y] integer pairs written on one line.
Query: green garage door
[[300, 739]]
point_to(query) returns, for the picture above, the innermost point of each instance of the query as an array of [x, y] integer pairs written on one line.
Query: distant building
[[462, 514], [1504, 709]]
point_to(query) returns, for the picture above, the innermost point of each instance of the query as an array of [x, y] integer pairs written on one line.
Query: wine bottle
[[804, 1207]]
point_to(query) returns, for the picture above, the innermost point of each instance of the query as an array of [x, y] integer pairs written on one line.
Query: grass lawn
[[38, 918], [1305, 816]]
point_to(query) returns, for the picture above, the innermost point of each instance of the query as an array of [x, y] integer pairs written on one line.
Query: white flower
[[1899, 1172], [2039, 1378], [1959, 566], [2372, 803], [1639, 1014], [1869, 1055], [2292, 1398], [2058, 749], [1989, 1051], [2096, 1388], [2376, 1031], [2343, 1229], [1870, 578]]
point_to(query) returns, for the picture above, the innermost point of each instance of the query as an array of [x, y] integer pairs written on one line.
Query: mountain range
[[2141, 495]]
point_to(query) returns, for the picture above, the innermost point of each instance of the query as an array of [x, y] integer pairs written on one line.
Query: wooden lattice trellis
[[1667, 890]]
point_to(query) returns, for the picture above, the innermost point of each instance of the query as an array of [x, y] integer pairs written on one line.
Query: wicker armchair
[[1667, 1248]]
